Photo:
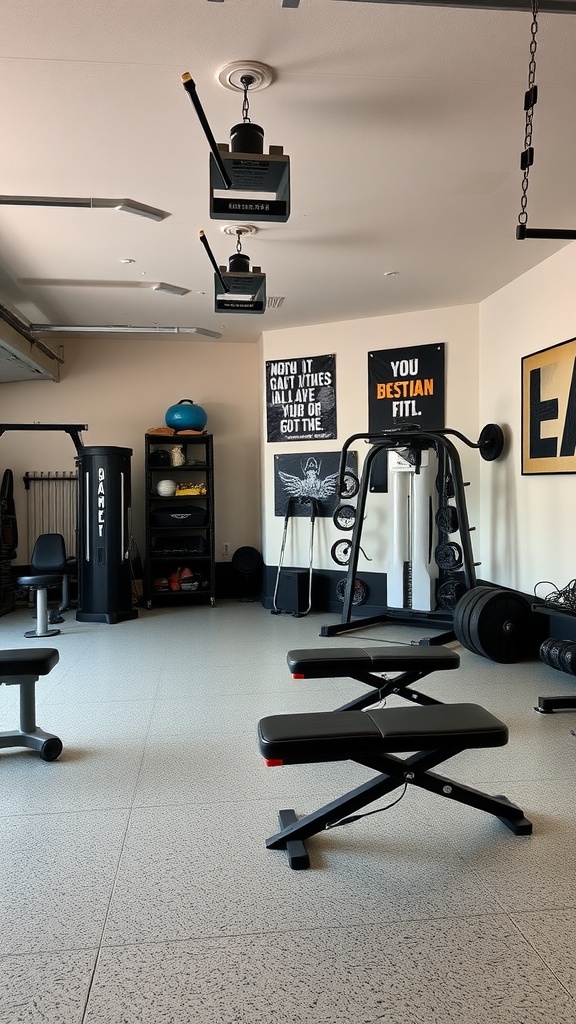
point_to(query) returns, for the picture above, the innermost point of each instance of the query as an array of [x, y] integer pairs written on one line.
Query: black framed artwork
[[310, 475], [549, 410]]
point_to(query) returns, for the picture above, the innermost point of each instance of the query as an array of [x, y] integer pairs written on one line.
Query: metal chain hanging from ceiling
[[246, 81], [530, 100], [527, 155]]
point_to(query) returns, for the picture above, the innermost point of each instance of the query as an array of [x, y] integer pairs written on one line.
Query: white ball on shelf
[[166, 488]]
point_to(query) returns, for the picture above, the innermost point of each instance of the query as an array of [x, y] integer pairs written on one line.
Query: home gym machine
[[429, 572], [103, 526]]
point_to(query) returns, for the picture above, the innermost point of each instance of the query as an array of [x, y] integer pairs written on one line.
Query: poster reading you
[[301, 399], [406, 385]]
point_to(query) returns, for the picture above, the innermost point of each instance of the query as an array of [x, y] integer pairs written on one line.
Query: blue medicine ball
[[186, 416]]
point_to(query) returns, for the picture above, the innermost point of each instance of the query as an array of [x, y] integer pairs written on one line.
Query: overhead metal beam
[[544, 6]]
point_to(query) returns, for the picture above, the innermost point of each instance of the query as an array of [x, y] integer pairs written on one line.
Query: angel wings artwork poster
[[305, 476]]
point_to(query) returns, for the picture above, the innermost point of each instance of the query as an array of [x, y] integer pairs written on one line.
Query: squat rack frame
[[448, 454]]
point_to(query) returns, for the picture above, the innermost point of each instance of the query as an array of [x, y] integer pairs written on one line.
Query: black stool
[[50, 569], [371, 738], [23, 668]]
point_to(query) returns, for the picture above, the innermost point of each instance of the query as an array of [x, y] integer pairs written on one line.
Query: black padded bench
[[23, 668], [365, 664], [373, 738]]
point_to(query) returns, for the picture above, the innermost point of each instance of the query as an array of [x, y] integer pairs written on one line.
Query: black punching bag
[[104, 571]]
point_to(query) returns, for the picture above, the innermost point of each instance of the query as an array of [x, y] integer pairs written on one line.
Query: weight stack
[[104, 512], [292, 593]]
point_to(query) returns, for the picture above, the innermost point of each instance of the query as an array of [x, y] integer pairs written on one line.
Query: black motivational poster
[[301, 399], [406, 386], [310, 475]]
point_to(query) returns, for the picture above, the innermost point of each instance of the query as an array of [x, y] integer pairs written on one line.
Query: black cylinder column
[[104, 572]]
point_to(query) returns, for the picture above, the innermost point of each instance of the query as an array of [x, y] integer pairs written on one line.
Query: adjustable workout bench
[[412, 664], [372, 738], [22, 668]]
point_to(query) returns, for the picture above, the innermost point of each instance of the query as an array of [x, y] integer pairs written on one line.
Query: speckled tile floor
[[135, 886]]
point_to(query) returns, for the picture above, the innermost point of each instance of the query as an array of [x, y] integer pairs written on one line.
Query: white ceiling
[[403, 124]]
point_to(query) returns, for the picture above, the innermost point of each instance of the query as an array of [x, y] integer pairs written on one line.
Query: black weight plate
[[448, 556], [462, 614], [445, 487], [351, 485], [340, 552], [344, 517], [359, 594], [555, 652], [446, 518], [568, 659], [500, 626], [544, 648], [491, 442], [450, 592]]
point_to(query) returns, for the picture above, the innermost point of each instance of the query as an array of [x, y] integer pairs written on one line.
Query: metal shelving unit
[[179, 559]]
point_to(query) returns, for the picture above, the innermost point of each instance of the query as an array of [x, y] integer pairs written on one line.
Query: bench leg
[[400, 684], [296, 830], [414, 770], [29, 735], [500, 806]]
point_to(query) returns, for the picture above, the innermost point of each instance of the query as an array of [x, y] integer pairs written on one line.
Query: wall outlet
[[226, 549]]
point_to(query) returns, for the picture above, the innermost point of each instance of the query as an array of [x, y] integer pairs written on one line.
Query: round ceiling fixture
[[230, 76], [239, 229]]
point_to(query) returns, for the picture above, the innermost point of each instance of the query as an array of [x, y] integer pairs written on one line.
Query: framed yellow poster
[[549, 410]]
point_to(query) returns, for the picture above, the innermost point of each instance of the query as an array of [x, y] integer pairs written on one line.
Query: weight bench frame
[[396, 734], [23, 668], [411, 662]]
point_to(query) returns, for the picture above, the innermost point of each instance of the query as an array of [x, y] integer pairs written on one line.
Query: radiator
[[52, 507]]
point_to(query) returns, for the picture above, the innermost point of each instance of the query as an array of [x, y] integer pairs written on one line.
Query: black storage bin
[[104, 570], [179, 515]]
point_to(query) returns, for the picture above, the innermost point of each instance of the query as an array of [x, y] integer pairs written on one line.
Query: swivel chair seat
[[50, 569]]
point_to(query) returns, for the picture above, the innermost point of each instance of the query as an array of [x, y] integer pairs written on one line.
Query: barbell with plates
[[495, 623]]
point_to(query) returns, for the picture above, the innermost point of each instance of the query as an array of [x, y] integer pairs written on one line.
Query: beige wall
[[122, 386], [527, 521], [351, 341]]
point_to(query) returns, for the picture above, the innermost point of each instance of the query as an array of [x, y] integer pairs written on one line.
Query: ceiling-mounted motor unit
[[237, 289], [257, 183]]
